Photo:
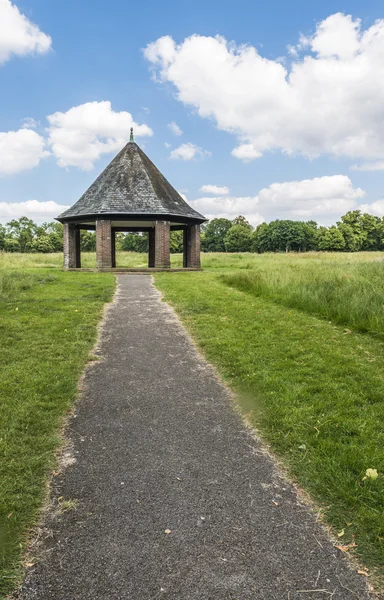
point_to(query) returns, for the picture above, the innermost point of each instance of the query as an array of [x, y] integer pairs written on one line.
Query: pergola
[[131, 195]]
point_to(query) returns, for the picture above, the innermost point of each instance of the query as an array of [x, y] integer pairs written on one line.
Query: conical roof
[[131, 185]]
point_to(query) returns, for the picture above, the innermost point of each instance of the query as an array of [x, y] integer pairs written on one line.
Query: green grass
[[313, 389], [350, 294], [47, 329], [299, 337], [88, 260]]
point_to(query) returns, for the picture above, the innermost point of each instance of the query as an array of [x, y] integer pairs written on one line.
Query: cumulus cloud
[[33, 209], [329, 100], [29, 123], [18, 35], [214, 189], [176, 130], [370, 166], [188, 152], [229, 207], [323, 198], [84, 133], [320, 198], [376, 208], [20, 151], [246, 152]]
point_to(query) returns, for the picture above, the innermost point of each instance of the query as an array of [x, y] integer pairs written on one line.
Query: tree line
[[354, 232]]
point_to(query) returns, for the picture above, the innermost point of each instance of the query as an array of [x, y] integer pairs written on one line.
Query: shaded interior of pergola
[[158, 231]]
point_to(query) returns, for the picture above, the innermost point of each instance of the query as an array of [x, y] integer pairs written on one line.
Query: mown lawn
[[314, 389], [48, 325]]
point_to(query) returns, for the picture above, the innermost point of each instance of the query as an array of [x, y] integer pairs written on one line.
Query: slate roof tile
[[131, 185]]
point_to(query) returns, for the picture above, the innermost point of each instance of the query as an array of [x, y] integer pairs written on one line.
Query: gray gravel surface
[[175, 497]]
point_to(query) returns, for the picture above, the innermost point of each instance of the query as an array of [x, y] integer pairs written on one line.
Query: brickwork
[[77, 249], [151, 248], [113, 248], [162, 241], [103, 244], [191, 255], [70, 238]]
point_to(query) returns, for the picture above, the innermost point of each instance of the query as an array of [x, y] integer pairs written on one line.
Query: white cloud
[[376, 208], [246, 152], [214, 189], [188, 152], [323, 198], [20, 150], [29, 123], [328, 101], [176, 130], [18, 35], [370, 166], [229, 207], [84, 133], [33, 209]]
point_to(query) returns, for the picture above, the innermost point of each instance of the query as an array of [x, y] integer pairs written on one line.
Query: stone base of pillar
[[162, 241], [104, 244], [191, 255]]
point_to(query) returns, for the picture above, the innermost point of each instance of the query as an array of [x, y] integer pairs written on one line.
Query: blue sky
[[282, 116]]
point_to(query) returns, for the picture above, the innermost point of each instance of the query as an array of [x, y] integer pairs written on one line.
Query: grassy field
[[299, 337], [286, 332], [47, 328]]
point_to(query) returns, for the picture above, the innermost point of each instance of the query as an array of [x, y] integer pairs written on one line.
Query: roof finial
[[131, 139]]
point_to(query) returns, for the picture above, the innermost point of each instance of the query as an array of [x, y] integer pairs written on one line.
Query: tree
[[240, 220], [215, 233], [238, 239], [23, 231], [134, 242], [176, 242], [42, 243], [11, 244], [87, 241], [352, 230], [261, 239], [330, 239], [3, 233], [285, 236], [55, 232], [371, 226]]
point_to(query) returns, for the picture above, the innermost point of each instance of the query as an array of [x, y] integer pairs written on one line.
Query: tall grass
[[350, 293]]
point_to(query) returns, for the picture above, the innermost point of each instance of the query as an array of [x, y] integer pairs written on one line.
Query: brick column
[[113, 248], [103, 244], [70, 246], [162, 240], [151, 248], [78, 248], [191, 255]]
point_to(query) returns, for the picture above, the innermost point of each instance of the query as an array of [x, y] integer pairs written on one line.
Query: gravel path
[[174, 497]]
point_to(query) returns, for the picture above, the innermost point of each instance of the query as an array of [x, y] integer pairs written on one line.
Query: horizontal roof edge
[[123, 216]]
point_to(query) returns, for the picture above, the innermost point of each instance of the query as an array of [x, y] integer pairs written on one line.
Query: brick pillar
[[77, 248], [151, 248], [162, 240], [70, 246], [103, 244], [113, 248], [191, 255]]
